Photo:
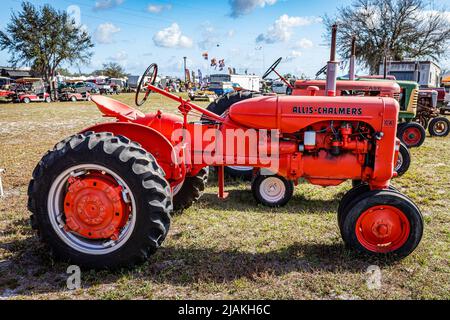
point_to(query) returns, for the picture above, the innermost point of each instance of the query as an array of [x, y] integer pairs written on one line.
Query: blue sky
[[248, 34]]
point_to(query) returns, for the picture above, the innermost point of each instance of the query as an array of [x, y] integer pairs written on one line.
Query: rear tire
[[149, 195], [191, 191], [412, 134], [439, 127], [383, 222], [26, 100]]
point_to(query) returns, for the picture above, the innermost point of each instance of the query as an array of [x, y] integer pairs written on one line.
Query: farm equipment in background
[[28, 90], [202, 95], [429, 114], [103, 197]]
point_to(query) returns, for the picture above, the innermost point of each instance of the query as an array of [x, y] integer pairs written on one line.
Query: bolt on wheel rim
[[57, 215], [272, 189], [383, 229]]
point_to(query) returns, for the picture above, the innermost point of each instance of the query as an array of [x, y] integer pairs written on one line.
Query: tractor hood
[[293, 113]]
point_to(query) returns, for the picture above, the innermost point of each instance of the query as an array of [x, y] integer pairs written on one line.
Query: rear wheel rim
[[412, 136], [56, 211], [440, 127], [272, 190], [383, 229]]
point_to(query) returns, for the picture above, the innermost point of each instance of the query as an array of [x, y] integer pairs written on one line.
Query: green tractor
[[411, 133]]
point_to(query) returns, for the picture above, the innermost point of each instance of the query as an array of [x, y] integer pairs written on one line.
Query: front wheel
[[404, 160], [412, 134], [272, 191], [439, 127], [100, 201], [383, 222]]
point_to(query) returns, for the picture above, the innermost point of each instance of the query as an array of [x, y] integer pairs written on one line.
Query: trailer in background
[[426, 73], [247, 82]]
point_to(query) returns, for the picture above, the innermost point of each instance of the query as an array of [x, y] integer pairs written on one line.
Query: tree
[[113, 70], [44, 38], [397, 28]]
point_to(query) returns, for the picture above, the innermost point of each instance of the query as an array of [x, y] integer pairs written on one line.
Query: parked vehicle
[[31, 90], [279, 87], [75, 96], [103, 198], [221, 88]]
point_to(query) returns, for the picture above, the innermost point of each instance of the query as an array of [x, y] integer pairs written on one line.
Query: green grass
[[222, 250]]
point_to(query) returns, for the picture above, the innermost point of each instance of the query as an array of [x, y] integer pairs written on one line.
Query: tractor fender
[[153, 142]]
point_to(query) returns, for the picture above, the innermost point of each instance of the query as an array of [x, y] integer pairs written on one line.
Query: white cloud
[[209, 36], [120, 56], [294, 54], [282, 29], [107, 4], [105, 32], [231, 33], [304, 44], [243, 7], [158, 8], [172, 37]]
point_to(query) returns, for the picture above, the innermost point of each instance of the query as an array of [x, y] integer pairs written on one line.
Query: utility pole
[[185, 68]]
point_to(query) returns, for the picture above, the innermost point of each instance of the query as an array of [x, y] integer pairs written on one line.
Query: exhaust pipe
[[353, 60], [332, 65]]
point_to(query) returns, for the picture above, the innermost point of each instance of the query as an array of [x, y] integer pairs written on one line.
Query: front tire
[[412, 134], [404, 160], [272, 191], [383, 222], [96, 180], [439, 127]]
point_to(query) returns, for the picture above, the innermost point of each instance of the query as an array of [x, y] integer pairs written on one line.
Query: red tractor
[[103, 198]]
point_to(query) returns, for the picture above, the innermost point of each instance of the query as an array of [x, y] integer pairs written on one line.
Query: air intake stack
[[332, 65]]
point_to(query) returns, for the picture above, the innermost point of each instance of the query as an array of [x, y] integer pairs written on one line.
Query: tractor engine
[[328, 140]]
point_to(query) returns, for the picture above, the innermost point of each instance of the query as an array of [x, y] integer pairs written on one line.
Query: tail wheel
[[412, 134], [26, 100], [188, 193], [100, 201], [404, 160], [383, 222], [439, 127], [272, 191]]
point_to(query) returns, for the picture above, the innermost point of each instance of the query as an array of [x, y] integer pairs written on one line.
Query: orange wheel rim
[[412, 136], [383, 229], [94, 207]]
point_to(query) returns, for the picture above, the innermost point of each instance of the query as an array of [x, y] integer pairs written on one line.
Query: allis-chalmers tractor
[[103, 197]]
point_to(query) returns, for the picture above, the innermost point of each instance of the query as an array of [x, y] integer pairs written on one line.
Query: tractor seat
[[116, 109]]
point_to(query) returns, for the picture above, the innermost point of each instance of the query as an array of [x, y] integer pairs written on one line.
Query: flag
[[221, 64]]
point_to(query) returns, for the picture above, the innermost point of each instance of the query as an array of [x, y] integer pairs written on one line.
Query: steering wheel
[[151, 73], [272, 68]]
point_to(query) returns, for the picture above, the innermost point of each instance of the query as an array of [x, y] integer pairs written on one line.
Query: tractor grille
[[415, 99], [397, 96]]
